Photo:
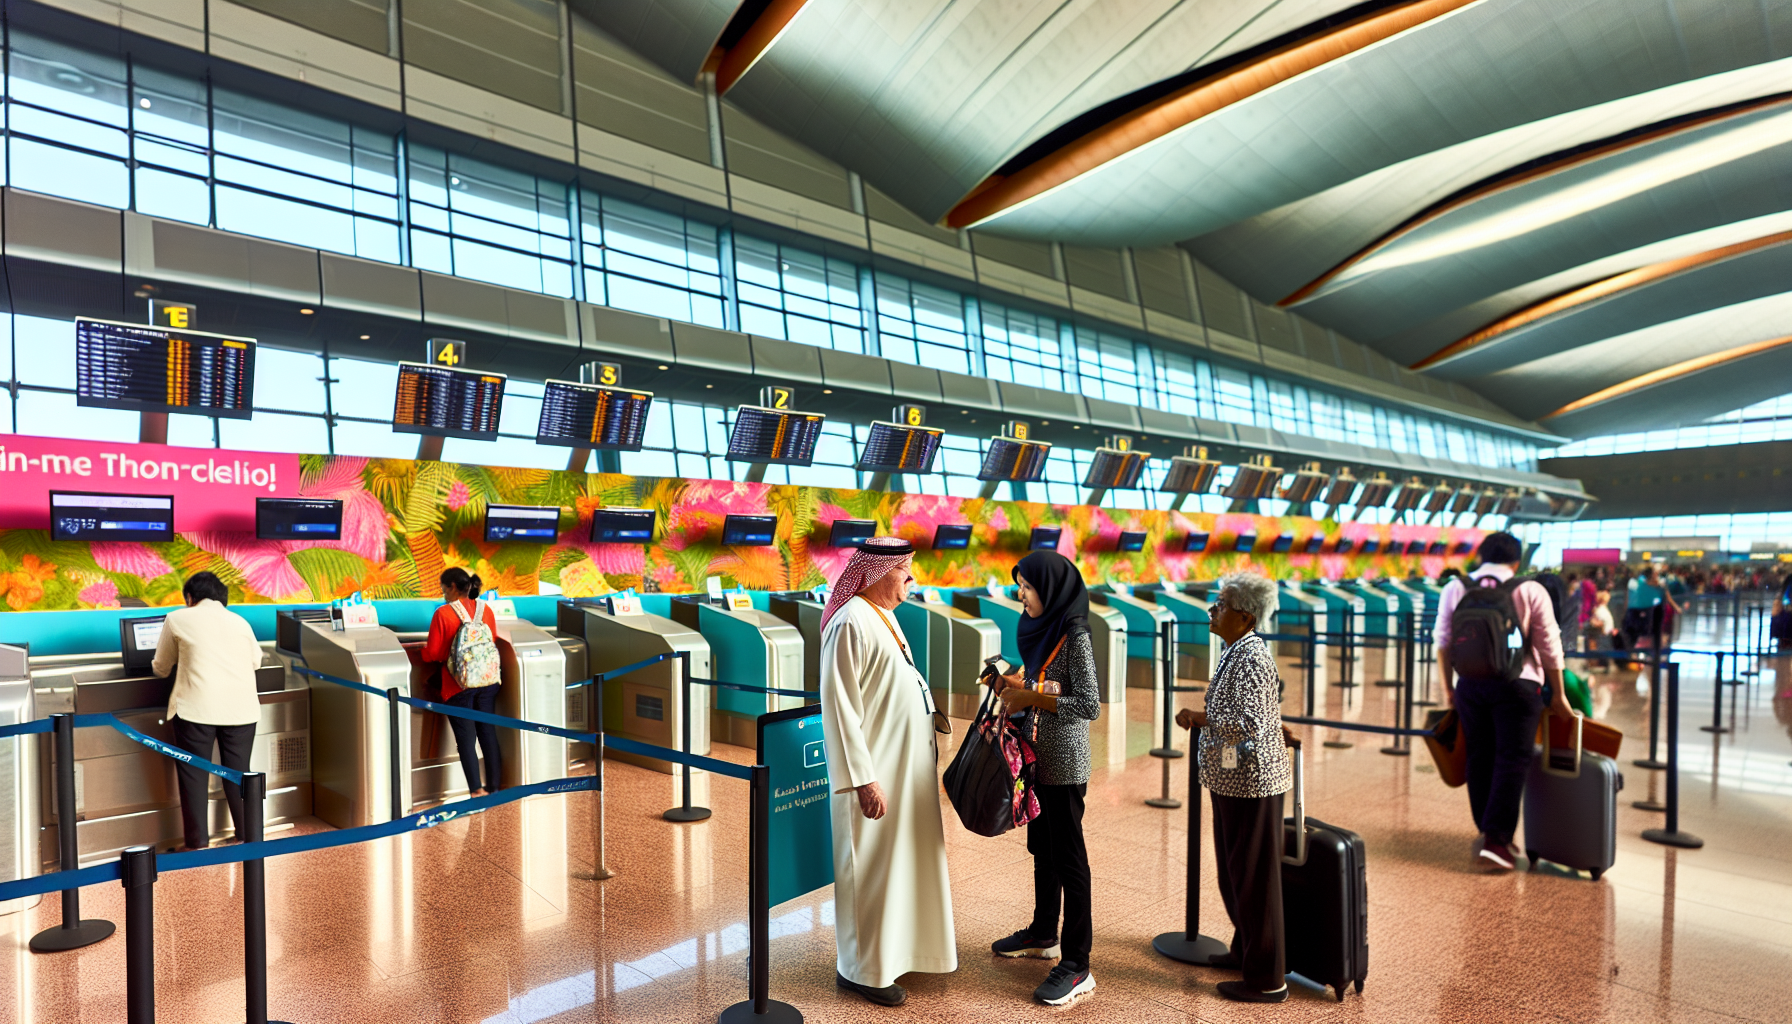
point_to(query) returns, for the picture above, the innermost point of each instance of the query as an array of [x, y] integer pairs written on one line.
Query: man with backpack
[[1498, 646]]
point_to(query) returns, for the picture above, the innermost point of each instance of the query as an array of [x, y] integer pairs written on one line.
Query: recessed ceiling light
[[663, 366], [365, 337], [144, 103], [307, 312], [709, 385], [827, 391]]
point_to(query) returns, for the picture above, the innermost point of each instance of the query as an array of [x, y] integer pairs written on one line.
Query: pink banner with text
[[213, 488]]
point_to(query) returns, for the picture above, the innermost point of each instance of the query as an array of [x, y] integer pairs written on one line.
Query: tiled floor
[[480, 920]]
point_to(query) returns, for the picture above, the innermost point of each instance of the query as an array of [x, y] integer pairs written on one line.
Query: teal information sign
[[801, 833]]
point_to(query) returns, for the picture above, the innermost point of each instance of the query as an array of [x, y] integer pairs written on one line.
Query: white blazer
[[217, 655]]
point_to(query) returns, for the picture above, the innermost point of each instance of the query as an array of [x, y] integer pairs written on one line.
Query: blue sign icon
[[814, 755]]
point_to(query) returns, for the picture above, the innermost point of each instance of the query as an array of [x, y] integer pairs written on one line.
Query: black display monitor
[[1115, 468], [1131, 540], [1044, 538], [1345, 546], [1465, 548], [851, 533], [1371, 545], [298, 519], [952, 537], [1415, 547], [533, 524], [623, 525], [1019, 461], [592, 416], [137, 641], [160, 369], [1195, 542], [1314, 543], [1282, 544], [1245, 542], [898, 448], [749, 531], [774, 436], [1436, 547], [443, 402], [85, 515]]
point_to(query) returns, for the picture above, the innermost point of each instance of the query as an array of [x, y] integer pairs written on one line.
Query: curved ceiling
[[1566, 204]]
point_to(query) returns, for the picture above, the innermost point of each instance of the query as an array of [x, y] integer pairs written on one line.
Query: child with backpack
[[463, 642]]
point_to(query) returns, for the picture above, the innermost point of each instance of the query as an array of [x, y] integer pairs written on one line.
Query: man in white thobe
[[892, 895]]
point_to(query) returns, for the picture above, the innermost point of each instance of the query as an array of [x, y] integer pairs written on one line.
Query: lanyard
[[926, 694], [1048, 663]]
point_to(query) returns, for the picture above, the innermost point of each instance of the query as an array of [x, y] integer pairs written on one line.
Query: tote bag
[[990, 780]]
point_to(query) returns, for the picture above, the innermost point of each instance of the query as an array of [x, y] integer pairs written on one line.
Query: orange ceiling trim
[[758, 39], [1667, 373], [1605, 288], [1159, 118], [1502, 183]]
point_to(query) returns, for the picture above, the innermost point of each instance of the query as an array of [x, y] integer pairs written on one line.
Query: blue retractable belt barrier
[[454, 711], [708, 764], [750, 688], [27, 728], [1356, 726], [626, 669], [230, 775], [339, 681]]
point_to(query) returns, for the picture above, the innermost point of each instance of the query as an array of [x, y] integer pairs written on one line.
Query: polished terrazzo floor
[[481, 920]]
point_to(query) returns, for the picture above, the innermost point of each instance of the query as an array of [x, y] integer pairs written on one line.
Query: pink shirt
[[1536, 620]]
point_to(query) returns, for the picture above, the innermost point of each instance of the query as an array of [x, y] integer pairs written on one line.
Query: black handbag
[[990, 779]]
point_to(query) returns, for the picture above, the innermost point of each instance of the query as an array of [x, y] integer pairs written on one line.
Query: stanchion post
[[760, 1007], [138, 866], [1402, 745], [255, 901], [1671, 835], [1168, 751], [396, 770], [1188, 945], [599, 870], [1312, 661], [72, 933], [1653, 761], [685, 812], [1717, 701]]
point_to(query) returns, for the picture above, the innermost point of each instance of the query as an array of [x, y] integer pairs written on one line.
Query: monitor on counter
[[1344, 546], [749, 531], [1015, 460], [84, 515], [443, 402], [623, 525], [137, 642], [159, 369], [1283, 544], [532, 524], [774, 436], [952, 537], [1314, 543], [1195, 542], [1436, 547], [1245, 542], [1044, 538], [1466, 548], [298, 519], [1371, 545], [851, 533], [592, 416], [898, 448], [1130, 540], [1415, 547]]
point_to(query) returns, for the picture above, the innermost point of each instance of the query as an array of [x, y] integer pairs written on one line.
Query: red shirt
[[442, 628]]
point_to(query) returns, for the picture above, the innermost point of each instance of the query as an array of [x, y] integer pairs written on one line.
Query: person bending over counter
[[214, 655], [462, 642]]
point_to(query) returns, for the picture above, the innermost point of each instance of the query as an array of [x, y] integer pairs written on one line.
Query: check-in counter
[[802, 610], [1144, 621], [1300, 613], [1337, 603], [1196, 655], [1107, 634], [647, 704], [537, 668], [750, 647], [350, 735], [949, 646], [21, 807], [1375, 620]]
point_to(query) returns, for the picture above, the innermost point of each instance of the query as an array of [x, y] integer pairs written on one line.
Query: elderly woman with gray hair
[[1244, 763]]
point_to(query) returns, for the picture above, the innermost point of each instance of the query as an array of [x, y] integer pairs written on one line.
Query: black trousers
[[1061, 871], [480, 698], [1247, 842], [234, 743], [1499, 724]]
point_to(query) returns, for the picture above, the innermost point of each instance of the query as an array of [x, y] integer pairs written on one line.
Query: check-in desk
[[1196, 655], [350, 734], [125, 793], [1300, 613], [750, 647], [1337, 603], [802, 610], [537, 668], [646, 704], [21, 806], [949, 646], [1107, 635], [1143, 622], [1376, 619]]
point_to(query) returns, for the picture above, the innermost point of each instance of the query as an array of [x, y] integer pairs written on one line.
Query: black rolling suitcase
[[1571, 808], [1325, 898]]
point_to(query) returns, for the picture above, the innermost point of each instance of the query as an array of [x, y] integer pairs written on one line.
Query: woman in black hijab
[[1057, 691]]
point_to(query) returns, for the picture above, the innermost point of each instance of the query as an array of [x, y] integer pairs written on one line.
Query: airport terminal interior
[[664, 339]]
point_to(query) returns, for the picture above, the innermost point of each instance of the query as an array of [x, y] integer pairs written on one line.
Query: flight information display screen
[[1131, 540], [1245, 542], [774, 436], [1044, 538], [591, 416], [84, 515], [158, 369], [534, 524], [1283, 543], [1195, 542], [850, 533], [952, 537], [298, 519], [441, 402], [895, 448], [1019, 461], [1115, 468], [749, 531], [622, 525]]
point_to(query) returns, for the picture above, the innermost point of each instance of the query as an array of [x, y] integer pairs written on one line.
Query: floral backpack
[[473, 654]]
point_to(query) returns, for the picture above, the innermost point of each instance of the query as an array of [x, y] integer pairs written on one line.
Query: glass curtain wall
[[1736, 532]]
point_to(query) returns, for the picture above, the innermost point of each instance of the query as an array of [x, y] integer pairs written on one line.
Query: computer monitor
[[1465, 548], [137, 641], [533, 524], [1371, 545], [1044, 538], [749, 531], [298, 519], [622, 525], [1245, 542], [952, 537], [1131, 540], [1195, 542], [1283, 544], [1436, 547], [1314, 543], [1415, 547], [86, 515], [851, 533], [1344, 546]]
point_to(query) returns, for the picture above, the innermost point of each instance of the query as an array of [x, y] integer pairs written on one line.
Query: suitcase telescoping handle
[[1549, 748], [1299, 793]]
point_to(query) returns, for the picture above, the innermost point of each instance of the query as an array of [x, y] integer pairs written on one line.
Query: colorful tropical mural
[[406, 521]]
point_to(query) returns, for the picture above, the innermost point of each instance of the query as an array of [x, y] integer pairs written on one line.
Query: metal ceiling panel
[[675, 34], [1687, 400]]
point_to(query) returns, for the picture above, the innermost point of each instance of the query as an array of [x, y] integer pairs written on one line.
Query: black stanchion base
[[1168, 803], [1648, 805], [775, 1013], [61, 940], [1650, 762], [1337, 745], [593, 876], [686, 814], [1396, 751], [1345, 686], [1684, 840], [1169, 753], [1199, 951], [1424, 704], [1714, 728], [1387, 682]]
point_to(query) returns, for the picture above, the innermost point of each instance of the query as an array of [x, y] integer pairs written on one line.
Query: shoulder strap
[[893, 633], [460, 610]]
